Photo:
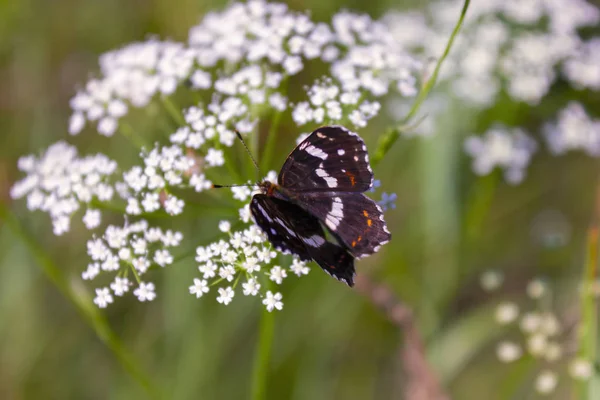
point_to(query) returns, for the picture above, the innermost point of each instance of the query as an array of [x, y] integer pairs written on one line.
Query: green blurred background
[[329, 342]]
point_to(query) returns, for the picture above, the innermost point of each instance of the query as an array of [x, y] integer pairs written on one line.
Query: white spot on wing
[[330, 180], [291, 232], [341, 152], [334, 217], [316, 152], [264, 212], [314, 241]]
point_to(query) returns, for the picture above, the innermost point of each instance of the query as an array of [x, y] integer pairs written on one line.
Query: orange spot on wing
[[353, 244], [359, 239], [365, 213], [352, 177], [369, 222]]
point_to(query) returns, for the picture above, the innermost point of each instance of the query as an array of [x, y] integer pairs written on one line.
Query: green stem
[[589, 313], [388, 139], [173, 111], [263, 355], [129, 133], [267, 155], [84, 306]]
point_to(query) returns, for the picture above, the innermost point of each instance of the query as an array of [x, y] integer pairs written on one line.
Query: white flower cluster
[[131, 75], [574, 130], [513, 43], [59, 182], [541, 330], [330, 104], [583, 69], [131, 249], [510, 149], [244, 257], [163, 169], [263, 43]]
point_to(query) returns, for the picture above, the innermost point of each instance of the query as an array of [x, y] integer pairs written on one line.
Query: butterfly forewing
[[332, 158], [292, 229], [353, 218]]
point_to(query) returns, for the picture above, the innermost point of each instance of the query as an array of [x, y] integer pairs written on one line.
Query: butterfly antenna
[[252, 185], [239, 135]]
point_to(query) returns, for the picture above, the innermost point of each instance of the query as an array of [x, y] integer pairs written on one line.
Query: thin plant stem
[[173, 110], [263, 355], [82, 303], [267, 155], [389, 138], [589, 309], [129, 133]]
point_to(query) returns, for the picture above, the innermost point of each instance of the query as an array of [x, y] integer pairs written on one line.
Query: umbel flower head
[[238, 62]]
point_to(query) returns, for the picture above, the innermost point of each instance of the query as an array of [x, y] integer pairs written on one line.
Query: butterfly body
[[320, 189]]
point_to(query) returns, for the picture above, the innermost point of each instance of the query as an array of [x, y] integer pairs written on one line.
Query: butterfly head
[[267, 187]]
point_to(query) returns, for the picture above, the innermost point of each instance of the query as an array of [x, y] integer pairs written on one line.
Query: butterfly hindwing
[[353, 218], [332, 158], [292, 229], [336, 261]]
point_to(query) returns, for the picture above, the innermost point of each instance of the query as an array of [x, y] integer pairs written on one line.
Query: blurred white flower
[[546, 382], [536, 288], [60, 183], [506, 313], [574, 130], [581, 369], [491, 280], [508, 351], [509, 149]]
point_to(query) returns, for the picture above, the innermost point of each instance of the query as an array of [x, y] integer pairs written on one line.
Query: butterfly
[[319, 191]]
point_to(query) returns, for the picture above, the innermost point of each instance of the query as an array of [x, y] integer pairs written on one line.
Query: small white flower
[[537, 344], [225, 295], [215, 158], [151, 202], [224, 226], [199, 287], [251, 287], [581, 369], [145, 292], [508, 352], [91, 219], [91, 272], [96, 249], [163, 257], [227, 272], [536, 288], [173, 205], [141, 264], [208, 270], [506, 313], [125, 253], [273, 301], [251, 265], [299, 267], [491, 280], [120, 286], [103, 297], [546, 382], [277, 274], [530, 322]]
